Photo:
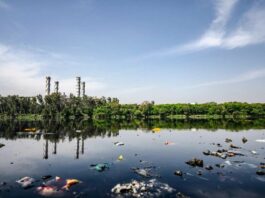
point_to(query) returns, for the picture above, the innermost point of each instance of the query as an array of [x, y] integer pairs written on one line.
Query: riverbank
[[39, 117], [22, 117]]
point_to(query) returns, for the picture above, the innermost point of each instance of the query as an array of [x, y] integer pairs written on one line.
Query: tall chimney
[[56, 87], [48, 85], [83, 88], [78, 86]]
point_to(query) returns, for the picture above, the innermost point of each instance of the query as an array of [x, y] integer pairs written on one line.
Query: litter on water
[[56, 187], [118, 143], [120, 157], [169, 143], [261, 140], [30, 129], [151, 188], [26, 182], [100, 167], [70, 183], [156, 130]]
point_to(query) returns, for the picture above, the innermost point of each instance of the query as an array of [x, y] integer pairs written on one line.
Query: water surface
[[57, 149]]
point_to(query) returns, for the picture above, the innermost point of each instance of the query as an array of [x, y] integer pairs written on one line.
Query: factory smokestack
[[83, 88], [56, 87], [78, 86], [48, 85]]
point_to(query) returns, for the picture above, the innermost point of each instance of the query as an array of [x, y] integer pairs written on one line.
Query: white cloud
[[250, 75], [214, 36], [249, 30], [21, 73]]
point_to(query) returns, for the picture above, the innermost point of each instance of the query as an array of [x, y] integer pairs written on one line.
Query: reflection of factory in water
[[54, 146], [52, 139], [52, 134]]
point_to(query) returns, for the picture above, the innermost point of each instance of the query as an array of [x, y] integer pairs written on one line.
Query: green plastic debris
[[100, 167]]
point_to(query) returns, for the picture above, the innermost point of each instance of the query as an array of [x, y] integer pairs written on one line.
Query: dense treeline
[[60, 106]]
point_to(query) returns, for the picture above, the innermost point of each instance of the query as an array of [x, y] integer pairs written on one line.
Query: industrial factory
[[56, 86]]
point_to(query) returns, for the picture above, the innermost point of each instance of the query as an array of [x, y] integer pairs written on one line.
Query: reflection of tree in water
[[59, 130], [55, 131]]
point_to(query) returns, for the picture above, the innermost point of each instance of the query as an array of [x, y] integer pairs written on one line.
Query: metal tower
[[83, 89], [48, 85], [56, 87], [78, 86]]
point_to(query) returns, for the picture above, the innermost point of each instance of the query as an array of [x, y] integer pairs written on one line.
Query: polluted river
[[182, 158]]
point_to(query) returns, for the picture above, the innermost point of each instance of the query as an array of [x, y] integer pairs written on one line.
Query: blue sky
[[167, 51]]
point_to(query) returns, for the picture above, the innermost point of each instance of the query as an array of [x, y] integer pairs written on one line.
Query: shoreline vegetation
[[39, 117], [10, 128], [60, 107]]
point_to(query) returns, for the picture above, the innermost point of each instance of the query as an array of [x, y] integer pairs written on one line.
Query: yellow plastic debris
[[120, 157], [30, 129], [156, 130], [70, 183]]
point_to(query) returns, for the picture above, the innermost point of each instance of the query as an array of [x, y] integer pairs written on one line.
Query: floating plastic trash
[[261, 140], [100, 167], [145, 172], [120, 157], [78, 131], [219, 153], [156, 130], [70, 183], [50, 191], [26, 182], [1, 145], [169, 143], [208, 167], [233, 154], [30, 129], [118, 143], [142, 172], [60, 183], [244, 140], [46, 177], [228, 140], [228, 163], [195, 162], [178, 173], [260, 172], [235, 147], [151, 188], [57, 182], [56, 187]]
